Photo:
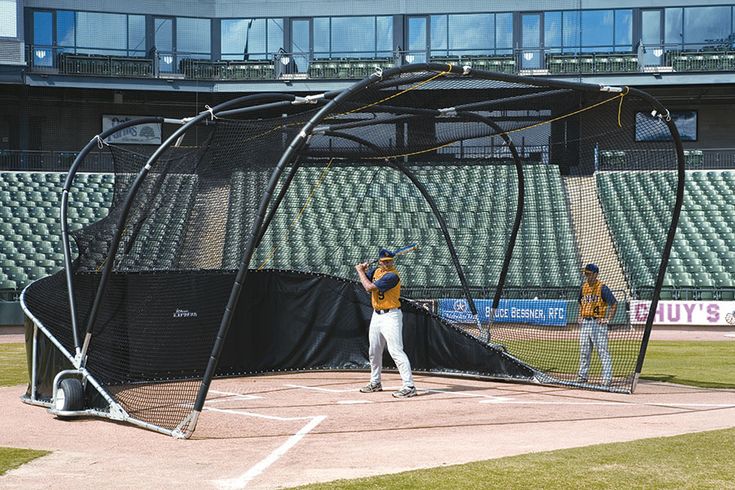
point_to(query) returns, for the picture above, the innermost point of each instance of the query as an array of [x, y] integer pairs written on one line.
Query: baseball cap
[[591, 268], [385, 254]]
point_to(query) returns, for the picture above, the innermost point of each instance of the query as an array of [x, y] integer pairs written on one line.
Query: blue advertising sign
[[533, 311]]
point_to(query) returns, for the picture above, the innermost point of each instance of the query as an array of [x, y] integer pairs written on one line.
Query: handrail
[[83, 61]]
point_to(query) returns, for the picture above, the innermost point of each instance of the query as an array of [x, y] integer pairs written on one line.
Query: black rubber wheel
[[69, 395]]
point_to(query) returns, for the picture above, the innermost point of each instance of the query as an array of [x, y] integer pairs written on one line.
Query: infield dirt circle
[[285, 430]]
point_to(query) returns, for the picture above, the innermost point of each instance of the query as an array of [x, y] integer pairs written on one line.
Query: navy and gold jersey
[[388, 294], [594, 300]]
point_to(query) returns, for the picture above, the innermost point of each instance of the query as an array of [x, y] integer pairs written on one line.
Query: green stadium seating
[[401, 215], [703, 257], [29, 223]]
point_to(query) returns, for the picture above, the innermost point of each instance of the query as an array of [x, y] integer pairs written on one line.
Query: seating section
[[698, 61], [30, 245], [334, 230], [703, 256], [592, 63], [246, 190], [497, 64], [227, 70], [105, 66], [161, 230], [349, 68]]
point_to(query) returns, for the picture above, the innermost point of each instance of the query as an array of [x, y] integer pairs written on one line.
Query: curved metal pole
[[269, 217], [678, 203], [520, 197], [293, 147], [107, 270], [520, 201], [434, 209], [65, 243]]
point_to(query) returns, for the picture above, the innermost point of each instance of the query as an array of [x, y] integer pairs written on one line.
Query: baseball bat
[[400, 251]]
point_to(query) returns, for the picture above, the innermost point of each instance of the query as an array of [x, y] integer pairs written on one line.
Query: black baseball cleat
[[371, 388], [406, 392]]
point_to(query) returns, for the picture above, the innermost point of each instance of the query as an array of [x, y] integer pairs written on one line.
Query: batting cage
[[236, 256]]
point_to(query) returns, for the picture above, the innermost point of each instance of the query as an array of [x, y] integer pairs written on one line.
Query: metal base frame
[[115, 411]]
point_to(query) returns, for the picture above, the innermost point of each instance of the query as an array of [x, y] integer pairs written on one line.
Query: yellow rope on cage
[[413, 153], [620, 105], [564, 116], [558, 118], [297, 218]]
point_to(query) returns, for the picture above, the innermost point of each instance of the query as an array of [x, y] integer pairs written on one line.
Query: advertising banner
[[533, 311], [143, 134], [704, 313]]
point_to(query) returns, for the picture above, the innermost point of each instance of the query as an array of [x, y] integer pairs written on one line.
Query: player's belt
[[591, 318], [380, 312]]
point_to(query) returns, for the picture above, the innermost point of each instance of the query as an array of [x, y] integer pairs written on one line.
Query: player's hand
[[604, 321], [361, 266]]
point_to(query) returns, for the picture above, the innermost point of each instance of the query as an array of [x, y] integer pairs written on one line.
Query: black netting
[[384, 168]]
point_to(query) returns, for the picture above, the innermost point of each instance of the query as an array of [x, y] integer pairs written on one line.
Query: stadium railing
[[81, 61], [592, 63], [53, 161], [696, 159]]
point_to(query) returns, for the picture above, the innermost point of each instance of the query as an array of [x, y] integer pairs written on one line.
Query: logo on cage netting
[[179, 313]]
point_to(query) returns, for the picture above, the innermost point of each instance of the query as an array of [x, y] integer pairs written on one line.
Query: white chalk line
[[611, 403], [512, 401], [230, 395], [492, 399], [317, 388], [243, 480]]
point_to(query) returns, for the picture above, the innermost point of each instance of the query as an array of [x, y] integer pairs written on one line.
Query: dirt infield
[[285, 430]]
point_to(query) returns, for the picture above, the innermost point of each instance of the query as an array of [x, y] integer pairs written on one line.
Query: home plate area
[[318, 426]]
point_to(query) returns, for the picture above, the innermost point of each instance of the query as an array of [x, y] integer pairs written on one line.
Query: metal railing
[[284, 65], [53, 161], [695, 159], [101, 161]]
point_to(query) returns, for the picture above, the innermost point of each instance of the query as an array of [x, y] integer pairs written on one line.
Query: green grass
[[11, 458], [562, 356], [703, 364], [700, 460], [13, 370]]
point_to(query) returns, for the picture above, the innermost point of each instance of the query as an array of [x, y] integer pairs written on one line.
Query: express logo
[[730, 318], [460, 305], [179, 313]]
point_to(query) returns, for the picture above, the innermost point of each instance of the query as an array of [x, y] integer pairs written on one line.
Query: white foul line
[[503, 400], [243, 480], [622, 404], [316, 388], [238, 396]]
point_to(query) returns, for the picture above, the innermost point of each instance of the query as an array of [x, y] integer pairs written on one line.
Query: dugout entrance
[[235, 256]]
